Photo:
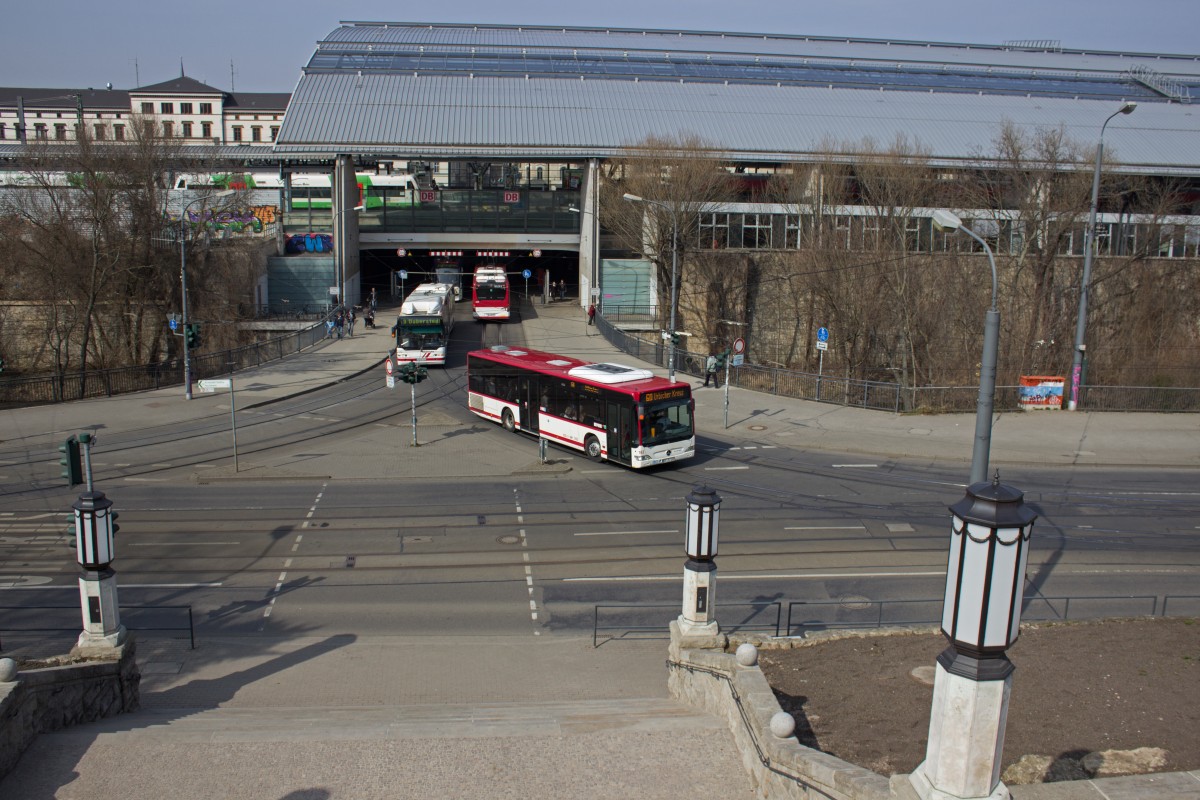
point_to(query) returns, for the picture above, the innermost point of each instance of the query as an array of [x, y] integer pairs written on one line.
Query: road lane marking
[[180, 544], [623, 533], [827, 528], [851, 466], [718, 469], [754, 577]]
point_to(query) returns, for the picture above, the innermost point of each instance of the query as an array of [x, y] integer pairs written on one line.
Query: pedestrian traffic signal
[[191, 335], [71, 461], [413, 373]]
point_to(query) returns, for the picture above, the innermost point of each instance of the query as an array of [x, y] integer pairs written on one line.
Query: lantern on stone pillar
[[985, 574], [94, 529], [95, 525], [703, 514], [700, 570], [981, 617]]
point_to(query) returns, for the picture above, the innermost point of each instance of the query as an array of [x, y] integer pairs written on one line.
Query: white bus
[[422, 329]]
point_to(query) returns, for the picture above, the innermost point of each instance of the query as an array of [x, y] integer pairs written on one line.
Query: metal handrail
[[190, 628], [597, 627], [878, 621]]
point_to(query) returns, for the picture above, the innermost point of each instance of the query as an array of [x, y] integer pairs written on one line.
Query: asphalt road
[[536, 554]]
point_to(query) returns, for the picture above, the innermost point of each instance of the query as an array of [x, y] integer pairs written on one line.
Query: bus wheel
[[507, 420], [592, 446]]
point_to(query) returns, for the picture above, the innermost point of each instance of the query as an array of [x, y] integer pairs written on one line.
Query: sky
[[261, 45]]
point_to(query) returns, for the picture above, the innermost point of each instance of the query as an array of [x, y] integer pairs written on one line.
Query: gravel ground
[[1078, 688]]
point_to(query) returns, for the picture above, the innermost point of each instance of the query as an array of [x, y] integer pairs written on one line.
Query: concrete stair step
[[645, 715]]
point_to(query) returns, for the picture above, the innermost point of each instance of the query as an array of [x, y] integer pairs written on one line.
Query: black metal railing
[[632, 619], [130, 619]]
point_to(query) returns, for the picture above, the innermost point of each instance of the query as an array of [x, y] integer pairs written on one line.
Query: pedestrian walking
[[329, 323], [340, 323], [592, 314], [710, 371], [350, 322], [562, 289], [373, 300]]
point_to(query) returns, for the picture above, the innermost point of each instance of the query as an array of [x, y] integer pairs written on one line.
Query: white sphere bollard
[[8, 670], [783, 725], [746, 654]]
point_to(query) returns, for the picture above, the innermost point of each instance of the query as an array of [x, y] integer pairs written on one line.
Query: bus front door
[[620, 432], [526, 397]]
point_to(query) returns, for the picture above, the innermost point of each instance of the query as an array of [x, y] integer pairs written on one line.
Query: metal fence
[[625, 327], [646, 620], [134, 618], [59, 388], [806, 616]]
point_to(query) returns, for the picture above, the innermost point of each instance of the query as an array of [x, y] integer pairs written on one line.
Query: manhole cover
[[855, 602], [508, 539], [758, 427]]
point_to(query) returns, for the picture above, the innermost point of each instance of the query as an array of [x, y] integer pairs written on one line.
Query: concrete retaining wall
[[702, 674], [48, 699]]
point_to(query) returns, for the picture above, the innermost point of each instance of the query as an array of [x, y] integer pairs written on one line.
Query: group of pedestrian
[[558, 290]]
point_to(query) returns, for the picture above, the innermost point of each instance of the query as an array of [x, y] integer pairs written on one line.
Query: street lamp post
[[339, 260], [1089, 242], [633, 198], [187, 356], [944, 220]]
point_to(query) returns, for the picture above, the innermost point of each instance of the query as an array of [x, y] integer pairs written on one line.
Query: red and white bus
[[609, 411], [489, 293]]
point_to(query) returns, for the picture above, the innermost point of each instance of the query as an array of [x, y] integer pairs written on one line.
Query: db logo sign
[[428, 196], [512, 197]]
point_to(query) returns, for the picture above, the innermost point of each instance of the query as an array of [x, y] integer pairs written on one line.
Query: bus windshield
[[668, 421], [488, 290]]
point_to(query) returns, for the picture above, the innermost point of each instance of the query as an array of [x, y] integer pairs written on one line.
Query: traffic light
[[413, 373], [191, 334], [72, 463]]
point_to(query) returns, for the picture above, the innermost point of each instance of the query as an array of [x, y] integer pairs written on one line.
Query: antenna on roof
[[232, 88], [181, 72]]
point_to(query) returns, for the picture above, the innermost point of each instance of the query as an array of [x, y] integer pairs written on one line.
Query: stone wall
[[51, 698], [703, 674]]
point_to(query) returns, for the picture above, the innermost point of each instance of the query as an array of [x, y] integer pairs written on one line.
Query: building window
[[39, 131], [147, 108], [714, 231], [60, 132], [168, 130], [791, 231], [187, 129], [98, 131], [185, 108], [119, 132], [870, 232], [841, 231], [256, 133], [3, 130], [206, 108], [274, 132], [756, 231], [237, 133], [206, 130], [166, 108]]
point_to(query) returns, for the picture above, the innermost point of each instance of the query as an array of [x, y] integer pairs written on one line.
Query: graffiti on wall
[[252, 220], [310, 243]]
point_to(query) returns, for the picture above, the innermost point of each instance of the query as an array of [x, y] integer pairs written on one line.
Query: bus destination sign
[[666, 394]]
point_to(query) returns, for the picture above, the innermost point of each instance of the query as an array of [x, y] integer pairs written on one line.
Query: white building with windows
[[182, 108]]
